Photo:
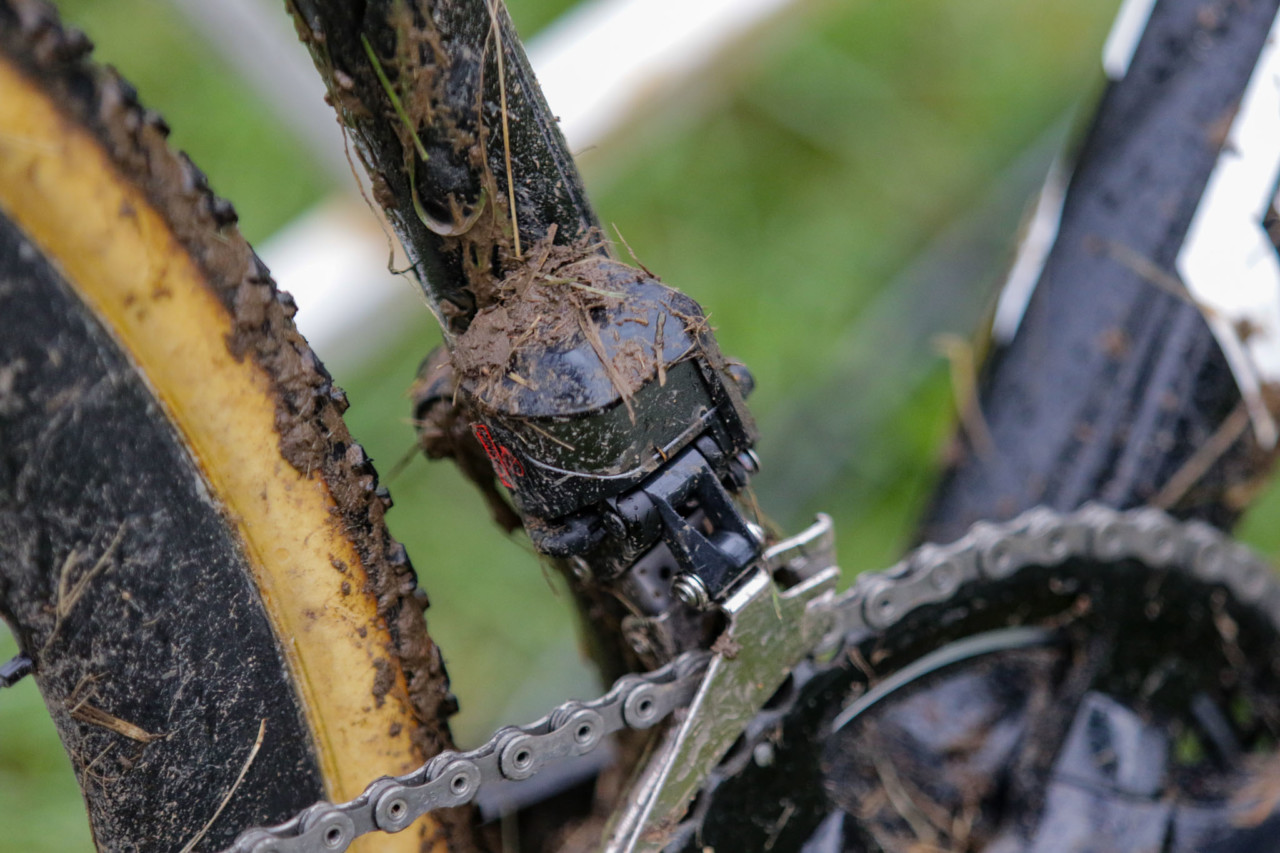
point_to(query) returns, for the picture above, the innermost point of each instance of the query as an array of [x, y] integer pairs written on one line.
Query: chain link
[[516, 752], [876, 602]]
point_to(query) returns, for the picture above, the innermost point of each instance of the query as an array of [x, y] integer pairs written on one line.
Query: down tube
[[1106, 382]]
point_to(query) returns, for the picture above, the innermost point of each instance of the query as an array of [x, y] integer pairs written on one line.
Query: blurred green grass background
[[796, 181]]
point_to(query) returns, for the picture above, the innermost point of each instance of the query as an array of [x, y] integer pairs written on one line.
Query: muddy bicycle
[[205, 562]]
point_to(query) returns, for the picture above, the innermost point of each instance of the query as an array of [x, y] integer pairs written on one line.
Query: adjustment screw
[[580, 569], [690, 590], [749, 460]]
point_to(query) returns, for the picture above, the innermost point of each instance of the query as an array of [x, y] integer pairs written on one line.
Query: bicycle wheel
[[192, 548]]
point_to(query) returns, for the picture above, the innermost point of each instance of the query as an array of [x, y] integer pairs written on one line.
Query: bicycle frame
[[442, 242]]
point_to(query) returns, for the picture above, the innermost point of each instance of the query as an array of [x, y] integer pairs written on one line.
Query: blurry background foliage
[[790, 192]]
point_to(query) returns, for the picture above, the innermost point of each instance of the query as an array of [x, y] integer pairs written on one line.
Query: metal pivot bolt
[[690, 590]]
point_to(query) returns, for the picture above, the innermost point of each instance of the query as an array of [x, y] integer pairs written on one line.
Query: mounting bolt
[[614, 525], [690, 589]]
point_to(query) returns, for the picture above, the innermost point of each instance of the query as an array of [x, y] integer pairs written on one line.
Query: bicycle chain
[[876, 602]]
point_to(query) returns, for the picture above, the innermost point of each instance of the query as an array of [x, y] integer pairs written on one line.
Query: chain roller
[[453, 779]]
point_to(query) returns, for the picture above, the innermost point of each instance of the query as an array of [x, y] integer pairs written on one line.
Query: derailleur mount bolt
[[691, 590]]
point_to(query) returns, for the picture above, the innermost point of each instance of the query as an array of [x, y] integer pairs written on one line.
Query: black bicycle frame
[[1110, 390]]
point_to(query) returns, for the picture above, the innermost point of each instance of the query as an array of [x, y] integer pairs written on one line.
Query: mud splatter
[[462, 151], [312, 436]]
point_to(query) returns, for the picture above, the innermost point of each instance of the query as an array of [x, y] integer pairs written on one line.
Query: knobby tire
[[192, 547]]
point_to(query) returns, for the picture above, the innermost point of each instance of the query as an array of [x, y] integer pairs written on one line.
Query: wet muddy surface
[[312, 436], [464, 155]]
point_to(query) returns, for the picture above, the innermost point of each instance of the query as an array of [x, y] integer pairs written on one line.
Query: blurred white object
[[1041, 230], [604, 60], [599, 66], [1125, 34], [256, 38], [1228, 261], [1038, 237], [333, 259]]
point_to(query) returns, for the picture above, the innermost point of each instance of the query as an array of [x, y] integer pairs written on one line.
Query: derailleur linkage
[[714, 547]]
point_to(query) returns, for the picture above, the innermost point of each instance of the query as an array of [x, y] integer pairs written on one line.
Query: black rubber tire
[[192, 548]]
